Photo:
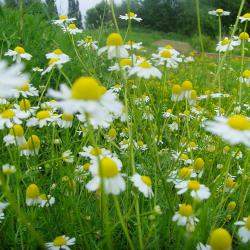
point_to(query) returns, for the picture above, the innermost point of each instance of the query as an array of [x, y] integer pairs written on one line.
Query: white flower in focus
[[18, 54], [61, 242], [219, 12], [130, 16], [244, 231]]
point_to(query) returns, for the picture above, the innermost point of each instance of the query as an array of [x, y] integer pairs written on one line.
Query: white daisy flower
[[24, 108], [245, 78], [141, 145], [245, 17], [63, 19], [131, 45], [95, 152], [26, 90], [201, 246], [166, 58], [244, 231], [46, 200], [72, 29], [235, 129], [9, 117], [32, 195], [124, 144], [18, 54], [11, 79], [226, 45], [67, 156], [55, 63], [179, 175], [219, 12], [108, 172], [61, 242], [31, 147], [65, 121], [198, 191], [115, 47], [144, 69], [8, 169], [144, 184], [57, 53], [130, 16], [16, 135], [88, 42], [185, 217], [3, 206]]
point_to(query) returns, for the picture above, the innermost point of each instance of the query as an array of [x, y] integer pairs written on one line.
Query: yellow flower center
[[230, 183], [187, 86], [86, 166], [67, 117], [184, 157], [247, 15], [59, 241], [192, 144], [226, 41], [140, 143], [7, 114], [19, 50], [239, 122], [52, 61], [112, 133], [184, 172], [72, 26], [226, 148], [95, 151], [176, 89], [131, 14], [33, 142], [246, 74], [63, 17], [87, 88], [193, 94], [130, 42], [185, 210], [166, 54], [193, 185], [147, 180], [114, 39], [32, 191], [248, 223], [108, 168], [231, 205], [88, 39], [199, 164], [25, 87], [168, 46], [57, 52], [244, 36], [145, 65], [219, 11], [220, 239], [125, 62], [17, 130], [44, 114], [24, 104]]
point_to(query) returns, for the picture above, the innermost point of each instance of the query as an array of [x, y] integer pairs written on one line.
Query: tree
[[74, 11]]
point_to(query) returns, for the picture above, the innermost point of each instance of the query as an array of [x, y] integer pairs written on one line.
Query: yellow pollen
[[125, 62], [239, 122], [168, 47], [43, 114], [67, 117], [166, 54], [193, 185], [131, 14], [19, 50], [24, 104], [53, 60], [33, 142], [176, 89], [32, 191], [145, 65], [184, 172], [231, 205], [63, 17], [86, 166], [248, 223], [219, 11], [7, 114], [95, 151], [72, 26], [244, 36], [220, 239], [114, 39], [25, 87], [108, 168], [226, 41], [247, 15], [57, 52], [199, 164], [112, 133], [87, 88], [185, 210], [88, 39], [59, 241], [246, 74], [187, 86], [147, 180], [17, 130]]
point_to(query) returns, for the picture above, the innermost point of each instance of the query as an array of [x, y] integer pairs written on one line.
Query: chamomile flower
[[72, 29], [114, 47], [11, 79], [141, 145], [61, 242], [26, 90], [8, 169], [235, 129], [144, 184], [226, 45], [186, 90], [65, 121], [167, 58], [245, 18], [57, 53], [219, 12], [130, 16], [176, 93], [124, 144], [63, 19], [88, 42], [31, 147], [18, 54], [108, 172], [179, 175], [37, 69], [3, 206], [42, 118], [95, 152], [245, 78], [182, 157], [46, 200], [16, 135], [244, 231], [124, 64], [131, 45], [8, 118], [198, 191], [185, 217], [32, 195], [55, 63], [67, 156], [145, 69], [24, 108]]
